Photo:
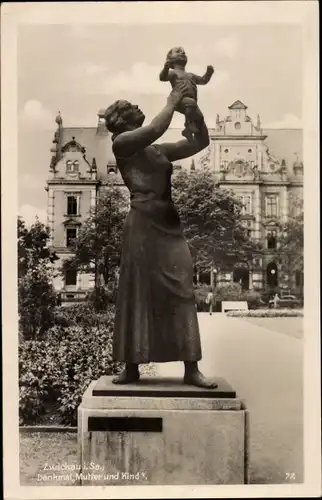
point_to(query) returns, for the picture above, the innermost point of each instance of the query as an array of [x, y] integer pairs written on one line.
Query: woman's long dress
[[156, 317]]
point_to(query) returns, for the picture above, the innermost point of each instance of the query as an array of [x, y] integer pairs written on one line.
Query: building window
[[246, 200], [271, 206], [70, 277], [226, 150], [72, 205], [72, 166], [71, 234], [250, 151], [237, 125], [271, 239], [247, 224]]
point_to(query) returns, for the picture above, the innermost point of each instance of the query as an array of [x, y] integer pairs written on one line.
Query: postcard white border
[[215, 13]]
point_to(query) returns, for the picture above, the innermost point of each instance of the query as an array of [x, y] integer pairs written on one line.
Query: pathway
[[265, 368]]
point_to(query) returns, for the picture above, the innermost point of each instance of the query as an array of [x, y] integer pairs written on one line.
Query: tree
[[212, 221], [291, 244], [36, 294], [97, 248]]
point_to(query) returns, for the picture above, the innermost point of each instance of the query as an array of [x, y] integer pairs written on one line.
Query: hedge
[[227, 292], [56, 370], [267, 313]]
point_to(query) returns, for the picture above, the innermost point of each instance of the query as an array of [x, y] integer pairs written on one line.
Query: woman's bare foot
[[193, 376], [129, 375], [199, 380]]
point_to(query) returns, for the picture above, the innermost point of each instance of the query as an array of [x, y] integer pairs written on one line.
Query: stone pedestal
[[160, 432]]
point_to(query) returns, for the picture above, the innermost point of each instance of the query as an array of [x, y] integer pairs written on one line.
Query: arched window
[[241, 276], [272, 275]]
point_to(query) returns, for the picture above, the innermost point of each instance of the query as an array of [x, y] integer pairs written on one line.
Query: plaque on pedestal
[[159, 431]]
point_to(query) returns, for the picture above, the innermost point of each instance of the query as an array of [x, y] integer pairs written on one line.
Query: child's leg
[[193, 115]]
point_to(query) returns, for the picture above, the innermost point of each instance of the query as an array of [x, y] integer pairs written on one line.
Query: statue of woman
[[156, 318]]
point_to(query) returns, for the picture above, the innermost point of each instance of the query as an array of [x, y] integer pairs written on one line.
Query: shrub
[[267, 313], [37, 300], [253, 299], [227, 292], [83, 315], [60, 367], [201, 292], [230, 291]]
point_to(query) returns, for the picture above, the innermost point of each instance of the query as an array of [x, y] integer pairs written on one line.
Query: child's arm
[[203, 80], [165, 74]]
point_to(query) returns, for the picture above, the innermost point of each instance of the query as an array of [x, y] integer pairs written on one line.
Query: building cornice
[[259, 182], [238, 137], [70, 182]]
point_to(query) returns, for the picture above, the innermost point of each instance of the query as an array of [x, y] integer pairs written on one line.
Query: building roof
[[97, 143], [237, 105], [284, 144]]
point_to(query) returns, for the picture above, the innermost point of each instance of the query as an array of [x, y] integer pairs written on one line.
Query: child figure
[[174, 71]]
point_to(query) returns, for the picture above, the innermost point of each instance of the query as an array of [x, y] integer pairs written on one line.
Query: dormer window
[[72, 167]]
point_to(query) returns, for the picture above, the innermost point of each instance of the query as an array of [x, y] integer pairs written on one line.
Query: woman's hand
[[177, 94]]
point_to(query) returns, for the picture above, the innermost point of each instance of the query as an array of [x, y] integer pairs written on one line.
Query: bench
[[234, 306]]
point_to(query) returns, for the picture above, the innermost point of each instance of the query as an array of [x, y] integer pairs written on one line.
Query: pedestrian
[[276, 300], [210, 301]]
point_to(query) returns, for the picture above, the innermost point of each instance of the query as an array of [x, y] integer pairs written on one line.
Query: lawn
[[37, 449], [289, 326]]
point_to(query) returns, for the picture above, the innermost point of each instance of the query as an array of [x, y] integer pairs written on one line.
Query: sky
[[78, 69]]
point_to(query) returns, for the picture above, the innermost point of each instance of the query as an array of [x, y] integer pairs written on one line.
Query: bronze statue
[[174, 71], [156, 318]]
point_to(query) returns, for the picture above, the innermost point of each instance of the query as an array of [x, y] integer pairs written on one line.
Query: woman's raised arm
[[128, 143], [183, 149]]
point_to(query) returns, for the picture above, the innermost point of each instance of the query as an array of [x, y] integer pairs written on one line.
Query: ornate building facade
[[263, 167]]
